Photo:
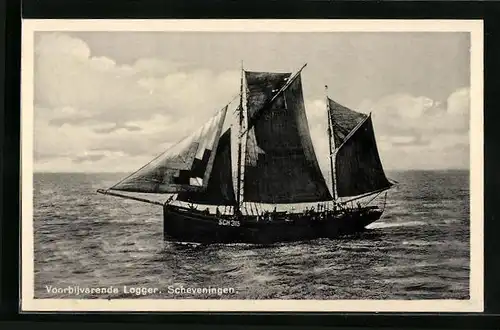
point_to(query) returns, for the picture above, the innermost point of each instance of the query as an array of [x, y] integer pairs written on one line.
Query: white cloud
[[87, 143], [417, 132], [459, 102], [93, 114], [413, 132], [318, 125], [67, 75], [87, 106]]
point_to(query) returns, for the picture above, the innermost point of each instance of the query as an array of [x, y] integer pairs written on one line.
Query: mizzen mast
[[331, 153], [239, 177]]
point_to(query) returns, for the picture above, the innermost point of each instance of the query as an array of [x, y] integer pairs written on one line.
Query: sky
[[112, 101]]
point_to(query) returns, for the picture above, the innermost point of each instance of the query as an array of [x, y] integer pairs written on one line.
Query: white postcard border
[[474, 304]]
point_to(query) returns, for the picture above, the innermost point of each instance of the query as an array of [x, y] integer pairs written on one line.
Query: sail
[[184, 167], [280, 162], [220, 190], [358, 169], [343, 120]]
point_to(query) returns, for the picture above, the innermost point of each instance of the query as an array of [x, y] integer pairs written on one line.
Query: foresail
[[184, 167], [343, 120], [220, 190], [358, 168], [280, 162]]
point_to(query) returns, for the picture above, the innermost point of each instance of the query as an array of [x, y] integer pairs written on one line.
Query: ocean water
[[85, 241]]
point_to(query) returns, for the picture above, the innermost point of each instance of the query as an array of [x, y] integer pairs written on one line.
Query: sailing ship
[[276, 166]]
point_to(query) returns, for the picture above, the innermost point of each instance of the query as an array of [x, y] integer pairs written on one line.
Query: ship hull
[[188, 225]]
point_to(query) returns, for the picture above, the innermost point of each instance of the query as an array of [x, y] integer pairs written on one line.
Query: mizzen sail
[[184, 167], [220, 190], [358, 168], [344, 120], [280, 162]]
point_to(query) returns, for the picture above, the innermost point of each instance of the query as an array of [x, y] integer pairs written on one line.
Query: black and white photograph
[[252, 165]]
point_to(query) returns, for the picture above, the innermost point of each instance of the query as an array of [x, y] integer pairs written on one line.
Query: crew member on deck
[[267, 216]]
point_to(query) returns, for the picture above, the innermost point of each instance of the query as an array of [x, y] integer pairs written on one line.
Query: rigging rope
[[127, 211], [375, 197]]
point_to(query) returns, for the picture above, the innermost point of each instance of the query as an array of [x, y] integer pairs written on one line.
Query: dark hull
[[187, 225]]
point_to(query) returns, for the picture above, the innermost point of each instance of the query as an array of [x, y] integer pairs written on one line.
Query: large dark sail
[[280, 162], [220, 190], [358, 169], [184, 167]]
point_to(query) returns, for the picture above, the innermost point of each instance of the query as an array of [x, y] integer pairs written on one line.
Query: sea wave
[[419, 249]]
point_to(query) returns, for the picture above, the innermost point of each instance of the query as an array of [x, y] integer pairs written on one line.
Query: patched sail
[[358, 169], [220, 190], [184, 167], [280, 162]]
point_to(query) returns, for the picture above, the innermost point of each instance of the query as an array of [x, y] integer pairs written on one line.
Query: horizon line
[[128, 172]]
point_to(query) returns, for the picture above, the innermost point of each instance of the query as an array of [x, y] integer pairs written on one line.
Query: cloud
[[412, 131], [408, 114], [68, 76], [73, 141], [94, 114], [420, 115], [417, 132], [115, 127], [86, 104], [317, 119], [88, 158]]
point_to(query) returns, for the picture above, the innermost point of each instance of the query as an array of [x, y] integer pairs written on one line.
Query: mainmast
[[240, 137], [331, 147]]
